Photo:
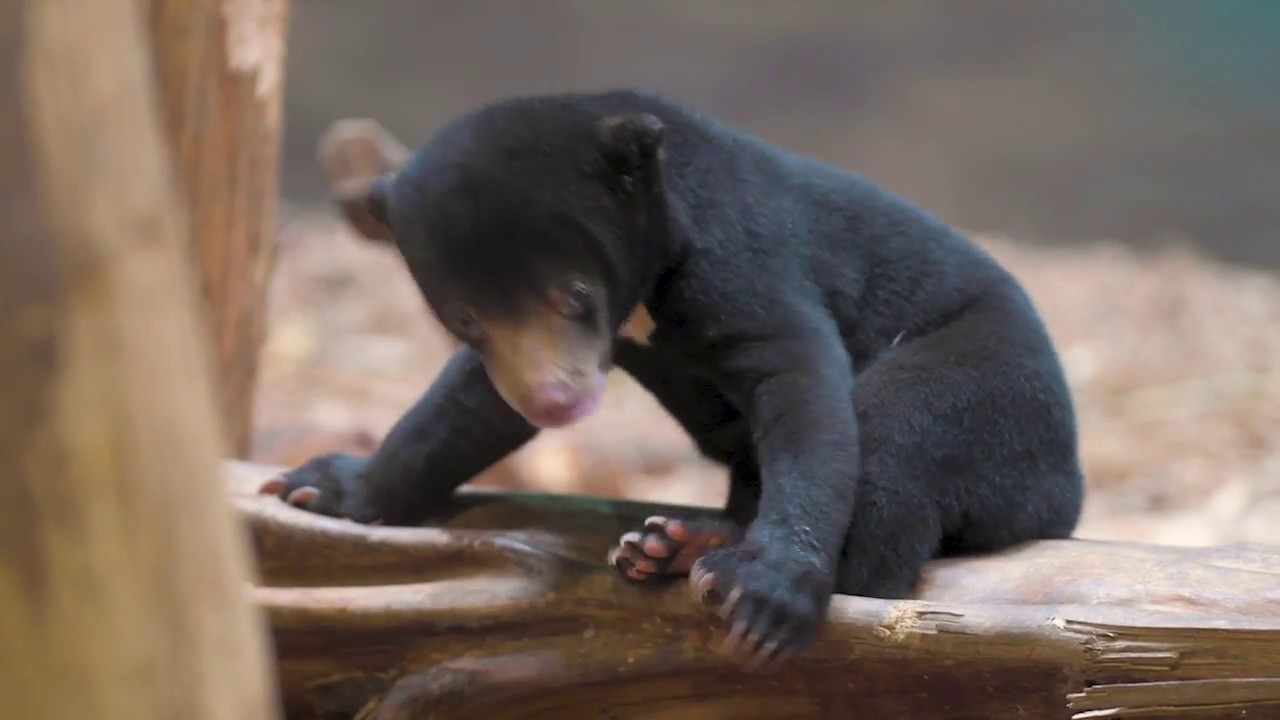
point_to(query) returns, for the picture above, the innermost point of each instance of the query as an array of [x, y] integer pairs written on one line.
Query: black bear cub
[[880, 390]]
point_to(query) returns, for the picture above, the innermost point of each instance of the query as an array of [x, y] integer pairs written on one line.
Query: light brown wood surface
[[122, 571], [219, 67], [505, 608]]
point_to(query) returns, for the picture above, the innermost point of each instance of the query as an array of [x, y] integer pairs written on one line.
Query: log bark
[[506, 609], [219, 66], [122, 570]]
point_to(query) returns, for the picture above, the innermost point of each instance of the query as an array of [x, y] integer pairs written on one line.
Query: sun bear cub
[[879, 389]]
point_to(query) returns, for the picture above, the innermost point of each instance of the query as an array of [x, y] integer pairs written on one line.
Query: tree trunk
[[219, 65], [508, 610], [122, 571]]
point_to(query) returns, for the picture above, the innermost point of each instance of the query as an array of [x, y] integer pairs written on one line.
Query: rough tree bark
[[219, 65], [122, 573], [508, 610]]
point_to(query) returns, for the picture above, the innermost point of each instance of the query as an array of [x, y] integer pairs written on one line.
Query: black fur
[[882, 391]]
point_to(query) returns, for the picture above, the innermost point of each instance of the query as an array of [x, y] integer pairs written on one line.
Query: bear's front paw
[[331, 484], [772, 602]]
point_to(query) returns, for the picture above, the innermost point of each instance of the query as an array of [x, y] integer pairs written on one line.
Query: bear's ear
[[365, 203], [632, 146]]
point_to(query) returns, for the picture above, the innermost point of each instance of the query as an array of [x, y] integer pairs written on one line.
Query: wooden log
[[506, 609], [122, 571], [219, 65]]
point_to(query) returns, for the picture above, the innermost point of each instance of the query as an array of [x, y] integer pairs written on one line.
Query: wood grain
[[121, 567], [219, 66]]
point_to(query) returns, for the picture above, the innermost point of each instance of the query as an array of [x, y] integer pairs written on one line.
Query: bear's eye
[[574, 301]]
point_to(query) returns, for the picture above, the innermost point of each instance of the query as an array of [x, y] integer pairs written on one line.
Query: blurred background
[[1122, 157]]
